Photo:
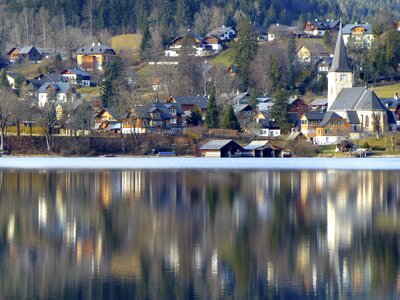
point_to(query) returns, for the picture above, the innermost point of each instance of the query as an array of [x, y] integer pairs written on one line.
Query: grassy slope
[[224, 58], [127, 45], [387, 91]]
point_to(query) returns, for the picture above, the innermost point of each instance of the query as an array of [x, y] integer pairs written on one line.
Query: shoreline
[[196, 163]]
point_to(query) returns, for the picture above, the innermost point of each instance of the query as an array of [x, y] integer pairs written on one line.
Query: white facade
[[61, 98], [336, 82], [266, 132], [72, 79]]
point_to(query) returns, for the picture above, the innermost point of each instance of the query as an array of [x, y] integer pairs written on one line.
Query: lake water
[[202, 234]]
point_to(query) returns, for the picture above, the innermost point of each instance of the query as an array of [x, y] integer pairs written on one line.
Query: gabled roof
[[322, 25], [77, 72], [201, 102], [220, 31], [94, 49], [329, 116], [216, 144], [348, 98], [357, 98], [352, 117], [340, 62], [242, 107], [293, 117], [391, 117], [319, 102], [36, 83], [61, 87], [349, 27], [370, 101], [315, 116], [27, 49], [258, 145], [267, 124], [51, 77], [294, 135]]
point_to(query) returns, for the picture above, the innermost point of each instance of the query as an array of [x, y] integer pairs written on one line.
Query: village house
[[312, 52], [221, 148], [332, 129], [309, 124], [323, 65], [360, 35], [261, 149], [298, 105], [106, 118], [200, 45], [317, 28], [188, 103], [359, 105], [320, 104], [24, 54], [261, 32], [279, 31], [54, 77], [76, 77], [61, 92], [95, 57], [269, 129], [223, 33]]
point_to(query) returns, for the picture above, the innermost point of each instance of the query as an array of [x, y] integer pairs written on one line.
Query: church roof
[[357, 98], [352, 116], [340, 62]]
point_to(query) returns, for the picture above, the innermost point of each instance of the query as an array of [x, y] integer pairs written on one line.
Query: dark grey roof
[[266, 124], [348, 28], [77, 72], [26, 50], [348, 98], [320, 102], [315, 116], [293, 118], [215, 144], [391, 117], [38, 83], [370, 101], [201, 102], [220, 31], [61, 87], [340, 62], [278, 28], [94, 49], [352, 117], [323, 25], [51, 76], [329, 116]]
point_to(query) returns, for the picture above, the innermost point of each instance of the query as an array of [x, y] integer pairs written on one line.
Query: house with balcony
[[95, 57]]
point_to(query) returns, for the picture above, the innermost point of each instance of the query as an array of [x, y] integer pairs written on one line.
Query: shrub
[[304, 149], [365, 145], [378, 148]]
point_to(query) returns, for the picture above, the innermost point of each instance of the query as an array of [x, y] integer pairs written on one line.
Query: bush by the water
[[304, 149]]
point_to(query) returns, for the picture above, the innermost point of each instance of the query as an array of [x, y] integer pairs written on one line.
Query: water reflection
[[199, 234]]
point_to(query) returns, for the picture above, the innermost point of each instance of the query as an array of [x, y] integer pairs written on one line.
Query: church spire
[[340, 62]]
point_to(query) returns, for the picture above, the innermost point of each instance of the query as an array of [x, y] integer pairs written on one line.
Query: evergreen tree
[[3, 79], [112, 76], [279, 108], [275, 73], [145, 44], [325, 38], [195, 118], [292, 67], [212, 115], [253, 98], [245, 50], [182, 16], [230, 121]]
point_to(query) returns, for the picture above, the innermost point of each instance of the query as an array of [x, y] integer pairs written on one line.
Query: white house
[[61, 92], [77, 77], [223, 33], [359, 34]]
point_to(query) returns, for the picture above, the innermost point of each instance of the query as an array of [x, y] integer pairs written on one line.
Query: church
[[359, 105]]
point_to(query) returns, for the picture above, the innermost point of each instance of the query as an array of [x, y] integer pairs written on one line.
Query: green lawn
[[127, 45], [92, 91], [387, 91], [224, 58]]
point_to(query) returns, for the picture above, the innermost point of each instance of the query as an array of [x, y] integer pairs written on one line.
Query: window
[[326, 131], [343, 77], [366, 121]]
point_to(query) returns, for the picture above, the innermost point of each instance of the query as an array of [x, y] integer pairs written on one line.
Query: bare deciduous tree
[[7, 100]]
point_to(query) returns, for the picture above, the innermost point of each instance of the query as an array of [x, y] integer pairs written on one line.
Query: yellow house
[[94, 57], [332, 129], [312, 51], [309, 123]]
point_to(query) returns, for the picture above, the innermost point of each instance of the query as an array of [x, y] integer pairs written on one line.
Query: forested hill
[[23, 20]]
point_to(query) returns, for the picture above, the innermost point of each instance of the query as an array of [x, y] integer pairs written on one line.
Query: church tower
[[340, 75]]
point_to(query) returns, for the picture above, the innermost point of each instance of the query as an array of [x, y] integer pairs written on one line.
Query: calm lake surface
[[206, 234]]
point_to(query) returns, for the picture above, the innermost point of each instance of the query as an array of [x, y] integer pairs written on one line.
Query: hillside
[[127, 45]]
